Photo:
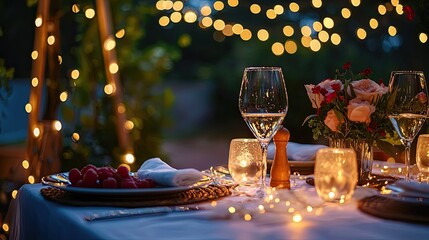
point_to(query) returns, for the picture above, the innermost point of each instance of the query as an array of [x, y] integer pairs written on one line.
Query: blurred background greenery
[[181, 63]]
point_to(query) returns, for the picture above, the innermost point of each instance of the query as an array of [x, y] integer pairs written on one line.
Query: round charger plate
[[396, 208], [60, 181]]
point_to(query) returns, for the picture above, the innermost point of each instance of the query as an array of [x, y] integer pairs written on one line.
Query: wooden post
[[109, 54]]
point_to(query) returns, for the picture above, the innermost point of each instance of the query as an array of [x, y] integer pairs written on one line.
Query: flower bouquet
[[351, 110]]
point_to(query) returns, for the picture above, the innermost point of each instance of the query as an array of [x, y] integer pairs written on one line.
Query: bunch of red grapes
[[106, 177]]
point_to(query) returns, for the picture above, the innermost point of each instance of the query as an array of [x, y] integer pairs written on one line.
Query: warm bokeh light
[[34, 54], [206, 11], [177, 6], [323, 36], [129, 158], [163, 21], [271, 14], [279, 10], [255, 8], [207, 21], [294, 7], [63, 96], [355, 3], [399, 9], [382, 9], [57, 125], [335, 39], [328, 22], [423, 37], [108, 89], [190, 17], [25, 164], [75, 137], [246, 35], [218, 5], [305, 41], [109, 44], [277, 48], [120, 33], [34, 82], [219, 25], [316, 3], [394, 2], [60, 59], [30, 179], [361, 33], [5, 227], [373, 23], [38, 22], [288, 31], [74, 74], [392, 31], [227, 30], [233, 3], [291, 47], [51, 40], [176, 17], [317, 26], [14, 193], [36, 132], [113, 68], [89, 13], [237, 28], [75, 8], [129, 125], [28, 108], [346, 13], [121, 108], [297, 218], [315, 45], [263, 35], [306, 31]]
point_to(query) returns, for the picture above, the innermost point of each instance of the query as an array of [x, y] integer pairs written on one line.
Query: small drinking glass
[[422, 156], [245, 161], [335, 174]]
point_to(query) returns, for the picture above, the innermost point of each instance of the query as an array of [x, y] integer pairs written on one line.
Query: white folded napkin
[[163, 174], [405, 188], [297, 151]]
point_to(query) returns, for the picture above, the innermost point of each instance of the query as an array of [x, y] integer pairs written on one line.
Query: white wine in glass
[[407, 108], [263, 104]]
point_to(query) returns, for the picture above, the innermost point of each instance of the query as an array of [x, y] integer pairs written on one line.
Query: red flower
[[366, 72], [331, 97], [409, 12], [347, 65], [336, 87]]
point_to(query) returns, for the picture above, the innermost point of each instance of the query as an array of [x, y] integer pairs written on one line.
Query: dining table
[[297, 213]]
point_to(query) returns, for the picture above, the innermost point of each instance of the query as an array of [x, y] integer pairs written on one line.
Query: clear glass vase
[[364, 155]]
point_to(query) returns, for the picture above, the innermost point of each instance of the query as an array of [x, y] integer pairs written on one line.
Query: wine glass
[[407, 108], [263, 104]]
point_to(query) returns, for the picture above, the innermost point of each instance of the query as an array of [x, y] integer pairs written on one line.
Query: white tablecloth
[[33, 217]]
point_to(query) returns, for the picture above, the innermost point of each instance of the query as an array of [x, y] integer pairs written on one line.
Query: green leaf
[[308, 118]]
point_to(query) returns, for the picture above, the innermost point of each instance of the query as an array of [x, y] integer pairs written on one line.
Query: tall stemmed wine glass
[[407, 107], [263, 104]]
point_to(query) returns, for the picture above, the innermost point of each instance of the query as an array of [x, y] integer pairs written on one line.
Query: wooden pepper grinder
[[280, 170]]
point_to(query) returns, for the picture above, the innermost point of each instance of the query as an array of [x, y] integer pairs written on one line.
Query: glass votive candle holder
[[422, 155], [245, 161], [335, 174]]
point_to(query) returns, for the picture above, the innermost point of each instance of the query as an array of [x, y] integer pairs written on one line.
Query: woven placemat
[[190, 196], [395, 209]]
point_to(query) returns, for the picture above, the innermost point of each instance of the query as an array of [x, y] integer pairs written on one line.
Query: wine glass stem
[[263, 185], [407, 160]]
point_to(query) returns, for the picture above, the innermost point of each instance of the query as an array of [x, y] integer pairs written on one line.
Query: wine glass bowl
[[407, 107], [263, 104]]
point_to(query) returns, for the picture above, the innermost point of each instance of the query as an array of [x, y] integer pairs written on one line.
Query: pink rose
[[316, 97], [368, 90], [331, 121], [360, 111]]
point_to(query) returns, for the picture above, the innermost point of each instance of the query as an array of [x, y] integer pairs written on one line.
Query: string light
[[30, 179], [113, 68], [89, 13], [5, 227], [51, 40], [14, 193], [74, 74], [176, 17], [246, 35], [218, 5], [63, 96], [423, 37], [34, 54], [178, 6], [121, 33], [25, 164], [75, 8], [263, 35], [57, 125], [36, 132], [38, 22], [277, 48], [291, 47], [346, 13], [129, 158], [373, 23], [392, 31], [75, 137]]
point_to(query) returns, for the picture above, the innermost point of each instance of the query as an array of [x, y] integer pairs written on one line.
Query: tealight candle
[[335, 174], [245, 161]]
